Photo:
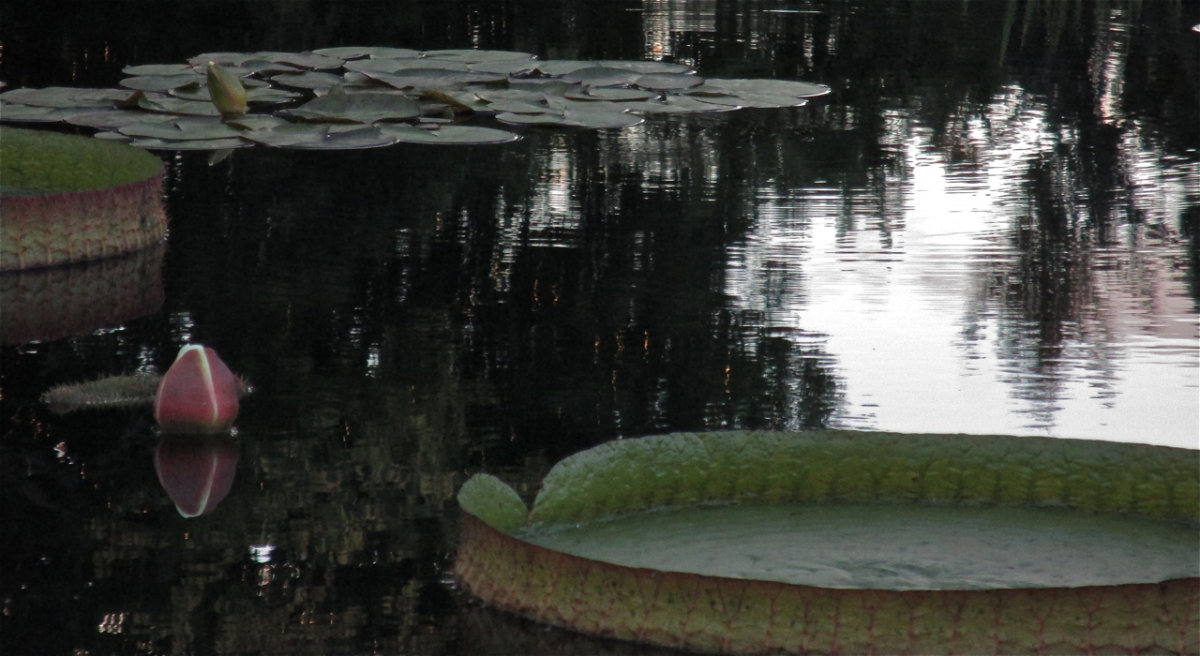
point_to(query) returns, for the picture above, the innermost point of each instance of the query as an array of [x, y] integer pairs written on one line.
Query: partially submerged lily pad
[[848, 542]]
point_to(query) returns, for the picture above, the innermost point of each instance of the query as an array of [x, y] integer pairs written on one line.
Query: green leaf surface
[[355, 52], [491, 500], [358, 108], [184, 129], [199, 144], [162, 82], [38, 162], [66, 97]]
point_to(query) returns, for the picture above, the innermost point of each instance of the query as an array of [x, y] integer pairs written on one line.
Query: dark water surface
[[990, 226]]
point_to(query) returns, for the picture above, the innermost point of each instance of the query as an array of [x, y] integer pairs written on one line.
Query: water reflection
[[985, 228]]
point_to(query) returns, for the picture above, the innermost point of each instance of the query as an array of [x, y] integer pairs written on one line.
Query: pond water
[[990, 226]]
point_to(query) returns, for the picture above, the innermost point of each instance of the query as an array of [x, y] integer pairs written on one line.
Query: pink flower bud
[[196, 471], [199, 394]]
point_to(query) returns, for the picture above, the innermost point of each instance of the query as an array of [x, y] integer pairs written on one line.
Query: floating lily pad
[[358, 108], [287, 135], [66, 97], [399, 65], [610, 94], [256, 121], [184, 129], [360, 85], [467, 135], [308, 80], [668, 81], [516, 67], [162, 82], [355, 52], [159, 69], [346, 137], [115, 118], [754, 100], [600, 76], [30, 114], [646, 67], [476, 56], [433, 78], [202, 144], [560, 67], [223, 58], [168, 105], [518, 107], [309, 60], [765, 87], [257, 91], [113, 136], [848, 542]]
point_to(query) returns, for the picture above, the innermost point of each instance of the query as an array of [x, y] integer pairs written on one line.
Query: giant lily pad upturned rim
[[715, 614], [66, 198]]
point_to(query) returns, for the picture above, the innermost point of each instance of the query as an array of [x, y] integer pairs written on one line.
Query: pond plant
[[584, 556], [364, 97], [66, 198]]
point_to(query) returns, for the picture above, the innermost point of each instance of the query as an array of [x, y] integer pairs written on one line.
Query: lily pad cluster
[[362, 97]]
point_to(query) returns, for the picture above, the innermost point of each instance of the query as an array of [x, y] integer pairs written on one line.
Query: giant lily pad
[[848, 542], [66, 198]]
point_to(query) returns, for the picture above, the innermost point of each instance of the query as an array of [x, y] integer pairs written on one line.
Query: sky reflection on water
[[985, 228]]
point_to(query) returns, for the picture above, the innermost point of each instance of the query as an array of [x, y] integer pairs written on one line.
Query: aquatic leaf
[[609, 94], [755, 100], [764, 87], [601, 119], [476, 56], [547, 119], [288, 134], [560, 67], [355, 52], [228, 94], [308, 80], [675, 105], [159, 69], [116, 118], [66, 97], [223, 58], [518, 107], [31, 114], [307, 60], [450, 134], [668, 81], [183, 129], [506, 66], [350, 137], [167, 104], [459, 102], [259, 66], [112, 136], [255, 121], [600, 76], [646, 67], [1030, 489], [201, 144], [162, 82], [398, 65], [358, 108], [433, 78]]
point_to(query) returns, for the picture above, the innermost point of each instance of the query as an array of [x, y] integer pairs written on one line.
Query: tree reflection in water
[[1012, 179]]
